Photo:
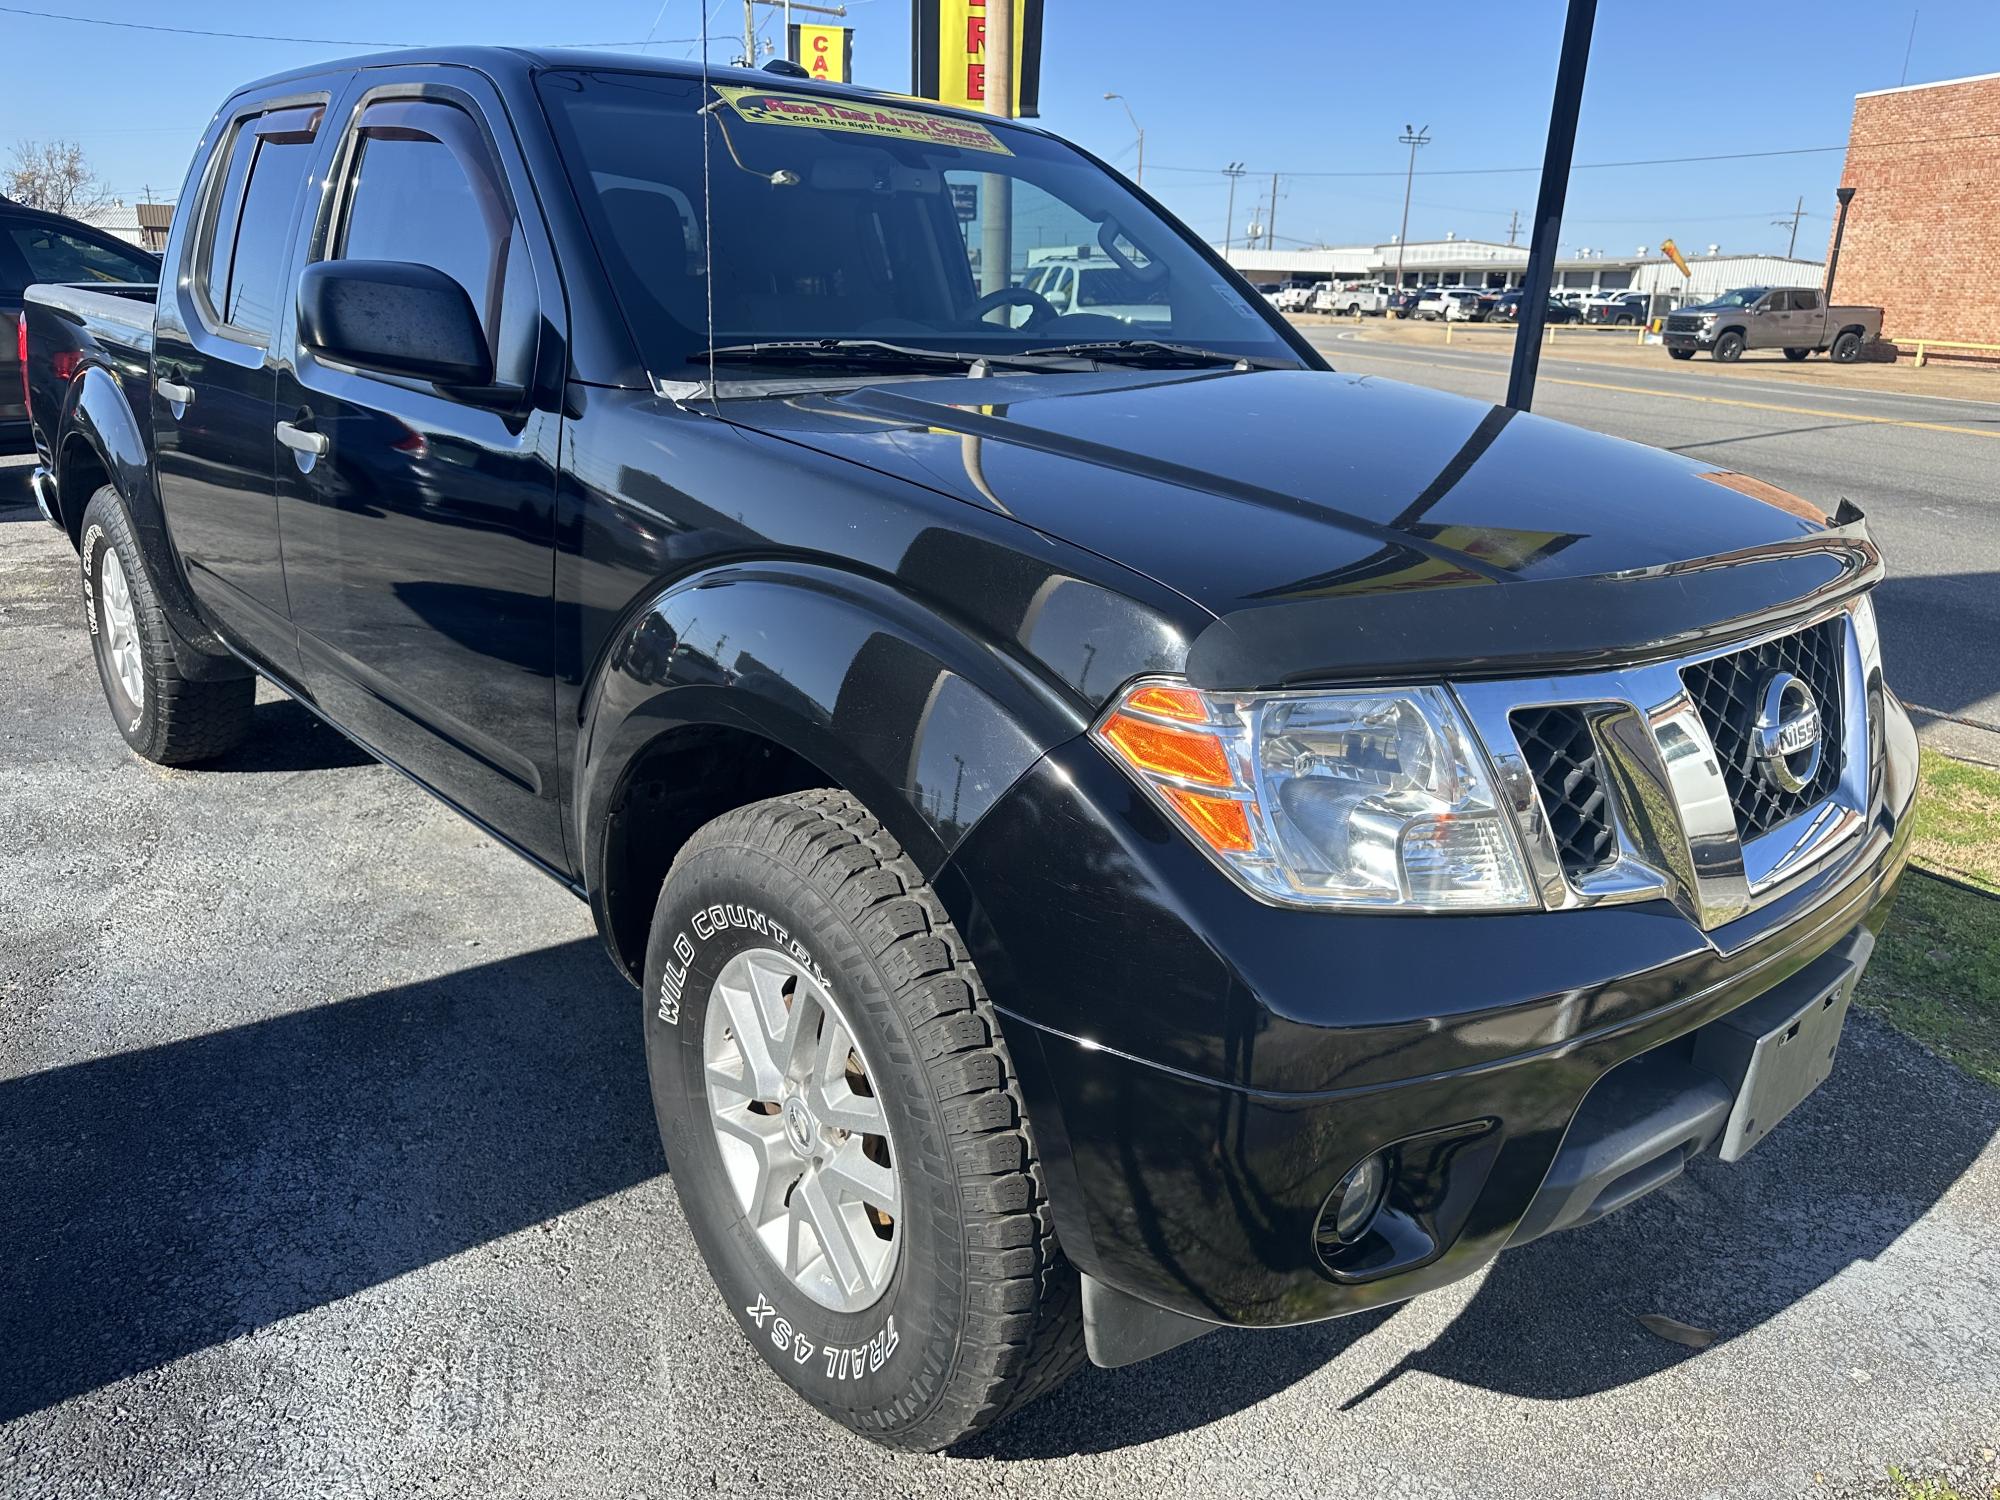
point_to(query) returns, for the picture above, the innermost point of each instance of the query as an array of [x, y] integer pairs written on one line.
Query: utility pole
[[1139, 130], [1271, 218], [1793, 219], [1846, 196], [1412, 139], [1554, 193], [1514, 227], [996, 239], [749, 33], [1233, 171]]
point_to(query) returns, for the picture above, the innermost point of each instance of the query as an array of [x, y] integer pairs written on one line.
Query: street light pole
[[1138, 176], [1233, 171], [1846, 196], [1412, 139]]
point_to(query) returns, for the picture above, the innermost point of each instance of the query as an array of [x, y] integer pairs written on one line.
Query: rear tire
[[970, 1311], [1847, 348], [1795, 355], [1729, 348], [168, 718]]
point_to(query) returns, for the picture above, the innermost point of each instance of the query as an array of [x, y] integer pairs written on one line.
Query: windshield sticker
[[761, 107]]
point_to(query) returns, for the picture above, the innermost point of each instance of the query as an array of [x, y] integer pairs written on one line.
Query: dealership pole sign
[[948, 53], [826, 52]]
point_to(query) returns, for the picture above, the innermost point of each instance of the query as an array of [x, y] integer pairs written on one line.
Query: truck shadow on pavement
[[162, 1201], [288, 736], [1724, 1248]]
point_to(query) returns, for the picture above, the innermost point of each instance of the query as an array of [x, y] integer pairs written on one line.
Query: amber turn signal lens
[[1164, 751], [1220, 822], [1169, 703]]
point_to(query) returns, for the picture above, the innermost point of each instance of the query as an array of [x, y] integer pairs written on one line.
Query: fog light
[[1358, 1199]]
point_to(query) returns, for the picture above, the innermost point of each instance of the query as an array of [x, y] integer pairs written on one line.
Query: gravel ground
[[327, 1168]]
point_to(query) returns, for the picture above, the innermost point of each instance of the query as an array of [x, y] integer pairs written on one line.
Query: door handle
[[174, 392], [299, 440]]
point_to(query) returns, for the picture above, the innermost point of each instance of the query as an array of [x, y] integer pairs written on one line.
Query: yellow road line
[[1794, 411]]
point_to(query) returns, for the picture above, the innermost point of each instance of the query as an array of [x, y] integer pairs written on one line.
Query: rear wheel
[[1847, 348], [845, 1129], [1729, 348], [167, 717], [1795, 355]]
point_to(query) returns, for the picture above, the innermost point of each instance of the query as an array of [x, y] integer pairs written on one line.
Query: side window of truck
[[1805, 301], [422, 186], [240, 251]]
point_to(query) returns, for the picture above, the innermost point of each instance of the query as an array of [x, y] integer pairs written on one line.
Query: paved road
[[1921, 468], [326, 1168]]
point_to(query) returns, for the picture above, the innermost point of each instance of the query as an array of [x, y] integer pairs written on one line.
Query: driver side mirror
[[394, 318]]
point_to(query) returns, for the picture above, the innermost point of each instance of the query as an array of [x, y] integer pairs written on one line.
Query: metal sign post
[[1549, 202]]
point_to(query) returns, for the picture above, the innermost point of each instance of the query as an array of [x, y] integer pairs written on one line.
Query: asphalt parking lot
[[326, 1167]]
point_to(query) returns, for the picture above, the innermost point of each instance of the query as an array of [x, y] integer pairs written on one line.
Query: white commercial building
[[1455, 262]]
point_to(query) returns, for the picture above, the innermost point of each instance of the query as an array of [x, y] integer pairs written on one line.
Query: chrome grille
[[1727, 690], [1562, 757]]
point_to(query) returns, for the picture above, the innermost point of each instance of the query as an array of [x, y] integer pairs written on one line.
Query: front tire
[[1729, 348], [167, 717], [1681, 353], [886, 1246]]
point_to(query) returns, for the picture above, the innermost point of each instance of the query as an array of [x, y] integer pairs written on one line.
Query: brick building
[[1923, 233]]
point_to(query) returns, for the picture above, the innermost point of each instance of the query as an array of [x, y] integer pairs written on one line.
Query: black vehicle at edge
[[1121, 829], [40, 246]]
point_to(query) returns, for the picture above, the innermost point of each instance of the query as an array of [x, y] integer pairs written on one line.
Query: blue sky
[[1211, 83]]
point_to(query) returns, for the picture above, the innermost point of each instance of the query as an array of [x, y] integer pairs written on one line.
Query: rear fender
[[100, 436], [926, 724]]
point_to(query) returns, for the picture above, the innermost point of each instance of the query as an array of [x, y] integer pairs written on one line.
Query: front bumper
[[1202, 1071]]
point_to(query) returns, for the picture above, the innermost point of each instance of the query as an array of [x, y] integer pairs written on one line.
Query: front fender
[[927, 725]]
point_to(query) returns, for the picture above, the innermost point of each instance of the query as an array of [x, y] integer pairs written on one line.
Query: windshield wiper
[[880, 352], [1158, 352]]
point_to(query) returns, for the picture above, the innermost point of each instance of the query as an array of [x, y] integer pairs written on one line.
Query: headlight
[[1351, 799]]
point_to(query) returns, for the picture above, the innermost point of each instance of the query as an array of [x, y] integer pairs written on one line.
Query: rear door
[[1808, 319], [420, 542], [213, 377]]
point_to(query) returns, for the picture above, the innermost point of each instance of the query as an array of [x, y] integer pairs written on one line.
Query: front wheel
[[166, 716], [1847, 348], [845, 1130], [1729, 348], [1681, 353]]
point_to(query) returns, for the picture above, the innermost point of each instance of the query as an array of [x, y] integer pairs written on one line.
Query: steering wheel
[[1015, 296]]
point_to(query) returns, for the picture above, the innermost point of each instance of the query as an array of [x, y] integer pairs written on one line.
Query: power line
[[310, 41]]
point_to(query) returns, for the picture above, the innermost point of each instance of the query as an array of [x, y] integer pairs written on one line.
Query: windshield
[[827, 219], [1742, 296]]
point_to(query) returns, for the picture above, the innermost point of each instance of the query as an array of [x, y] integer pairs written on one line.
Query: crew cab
[[1794, 319], [1094, 870]]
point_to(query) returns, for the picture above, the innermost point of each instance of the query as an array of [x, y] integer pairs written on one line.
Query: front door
[[419, 522], [1772, 326], [213, 380]]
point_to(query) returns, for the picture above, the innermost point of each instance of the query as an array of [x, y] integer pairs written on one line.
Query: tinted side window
[[53, 255], [270, 206], [423, 188], [251, 219], [1778, 302], [1806, 301]]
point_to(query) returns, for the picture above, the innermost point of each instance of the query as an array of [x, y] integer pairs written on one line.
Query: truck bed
[[73, 329]]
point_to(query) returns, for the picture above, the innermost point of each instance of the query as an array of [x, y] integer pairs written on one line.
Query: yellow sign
[[1673, 253], [761, 107], [822, 51], [948, 38]]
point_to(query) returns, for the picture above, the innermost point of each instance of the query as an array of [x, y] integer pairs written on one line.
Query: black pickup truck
[[1119, 829]]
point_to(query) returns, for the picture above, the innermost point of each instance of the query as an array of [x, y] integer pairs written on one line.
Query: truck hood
[[1341, 507]]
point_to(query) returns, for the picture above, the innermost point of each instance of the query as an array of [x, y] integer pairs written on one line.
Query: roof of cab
[[518, 64]]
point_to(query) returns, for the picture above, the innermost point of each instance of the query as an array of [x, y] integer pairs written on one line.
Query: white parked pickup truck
[[1357, 299]]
